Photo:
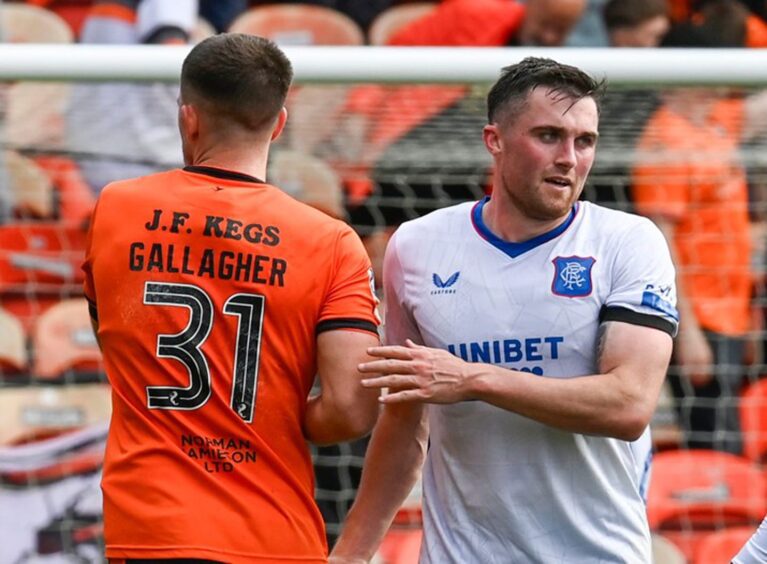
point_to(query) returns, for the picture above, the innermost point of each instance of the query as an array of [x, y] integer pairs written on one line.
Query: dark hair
[[242, 78], [510, 91], [629, 13]]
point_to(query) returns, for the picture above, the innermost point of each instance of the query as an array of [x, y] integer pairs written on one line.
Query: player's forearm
[[392, 466], [590, 404], [327, 422]]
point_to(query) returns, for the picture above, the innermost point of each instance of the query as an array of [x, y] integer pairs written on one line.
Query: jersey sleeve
[[89, 288], [643, 288], [399, 324], [755, 550], [350, 302]]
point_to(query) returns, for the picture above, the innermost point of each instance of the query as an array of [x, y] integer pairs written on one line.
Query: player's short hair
[[238, 77], [508, 96], [630, 13]]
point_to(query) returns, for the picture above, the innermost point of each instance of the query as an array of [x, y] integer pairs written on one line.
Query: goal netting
[[374, 152]]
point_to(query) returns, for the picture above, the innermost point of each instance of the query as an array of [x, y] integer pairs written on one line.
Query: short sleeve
[[89, 287], [350, 302], [643, 290], [399, 324]]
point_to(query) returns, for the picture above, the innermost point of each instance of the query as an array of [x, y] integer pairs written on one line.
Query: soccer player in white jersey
[[528, 336], [755, 550]]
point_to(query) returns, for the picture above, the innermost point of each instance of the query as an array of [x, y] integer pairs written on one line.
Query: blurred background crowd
[[376, 155]]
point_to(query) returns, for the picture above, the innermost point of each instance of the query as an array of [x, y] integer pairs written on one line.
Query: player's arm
[[343, 410], [392, 466], [633, 350], [398, 446], [618, 401], [347, 327]]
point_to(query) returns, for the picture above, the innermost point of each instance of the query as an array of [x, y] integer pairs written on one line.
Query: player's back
[[209, 288]]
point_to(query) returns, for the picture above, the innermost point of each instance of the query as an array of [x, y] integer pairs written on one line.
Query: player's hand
[[694, 356], [416, 373]]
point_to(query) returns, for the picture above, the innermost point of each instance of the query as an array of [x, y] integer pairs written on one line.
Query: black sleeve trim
[[635, 318], [92, 309], [345, 323]]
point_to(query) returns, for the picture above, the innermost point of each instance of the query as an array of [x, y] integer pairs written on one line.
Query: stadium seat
[[753, 421], [13, 347], [400, 546], [308, 179], [35, 115], [722, 546], [666, 552], [30, 191], [41, 257], [63, 343], [299, 24], [394, 18], [21, 23], [29, 413], [704, 490]]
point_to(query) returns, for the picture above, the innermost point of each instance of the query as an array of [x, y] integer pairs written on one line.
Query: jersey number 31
[[186, 347]]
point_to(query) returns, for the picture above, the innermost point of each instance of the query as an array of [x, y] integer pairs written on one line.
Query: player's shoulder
[[622, 230], [450, 220], [137, 187], [611, 221]]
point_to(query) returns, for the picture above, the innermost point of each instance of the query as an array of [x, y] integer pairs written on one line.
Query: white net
[[375, 154]]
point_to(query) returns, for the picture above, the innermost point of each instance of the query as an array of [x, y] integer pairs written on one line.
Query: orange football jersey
[[210, 288]]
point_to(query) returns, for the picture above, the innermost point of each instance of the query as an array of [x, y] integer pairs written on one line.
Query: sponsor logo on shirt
[[572, 276], [657, 298], [444, 286]]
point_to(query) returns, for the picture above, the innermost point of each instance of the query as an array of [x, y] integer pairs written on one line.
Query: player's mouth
[[559, 181]]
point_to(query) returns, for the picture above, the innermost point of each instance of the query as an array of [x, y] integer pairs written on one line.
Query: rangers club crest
[[572, 276]]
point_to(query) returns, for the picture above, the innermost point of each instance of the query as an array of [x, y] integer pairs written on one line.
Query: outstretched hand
[[417, 373]]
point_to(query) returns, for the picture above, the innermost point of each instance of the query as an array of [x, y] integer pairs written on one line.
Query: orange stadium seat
[[63, 343], [704, 490], [36, 257], [394, 18], [723, 545], [400, 546], [299, 24], [753, 421], [21, 23], [13, 347]]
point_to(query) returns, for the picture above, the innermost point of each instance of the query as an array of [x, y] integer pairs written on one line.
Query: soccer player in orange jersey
[[216, 299]]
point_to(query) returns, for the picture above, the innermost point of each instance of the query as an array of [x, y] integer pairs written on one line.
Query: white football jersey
[[755, 550], [499, 487]]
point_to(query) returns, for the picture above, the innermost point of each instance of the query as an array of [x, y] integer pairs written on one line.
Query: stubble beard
[[535, 204]]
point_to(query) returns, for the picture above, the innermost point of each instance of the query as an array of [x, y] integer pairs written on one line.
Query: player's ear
[[282, 118], [491, 138], [189, 120]]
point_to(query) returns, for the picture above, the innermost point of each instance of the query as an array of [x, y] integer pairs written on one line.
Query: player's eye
[[548, 136], [586, 141]]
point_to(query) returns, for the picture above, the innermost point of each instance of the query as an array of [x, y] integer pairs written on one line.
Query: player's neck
[[512, 225], [251, 162]]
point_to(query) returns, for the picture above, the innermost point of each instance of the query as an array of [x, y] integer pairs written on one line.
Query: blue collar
[[516, 249]]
